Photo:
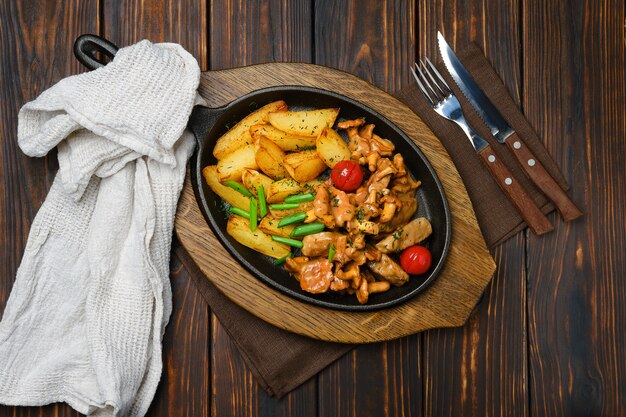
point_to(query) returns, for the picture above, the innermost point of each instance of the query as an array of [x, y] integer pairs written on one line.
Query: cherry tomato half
[[416, 259], [346, 175]]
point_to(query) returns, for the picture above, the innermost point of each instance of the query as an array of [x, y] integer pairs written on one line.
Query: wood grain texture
[[236, 392], [245, 32], [382, 379], [575, 94], [34, 56], [374, 40], [448, 300], [180, 21], [481, 369], [186, 380]]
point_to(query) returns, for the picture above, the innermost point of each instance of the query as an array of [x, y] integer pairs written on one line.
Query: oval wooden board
[[447, 302]]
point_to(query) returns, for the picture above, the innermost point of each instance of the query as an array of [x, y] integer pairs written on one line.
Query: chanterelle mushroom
[[387, 270], [314, 275], [408, 235]]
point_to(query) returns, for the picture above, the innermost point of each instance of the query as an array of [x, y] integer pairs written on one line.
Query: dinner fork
[[445, 103]]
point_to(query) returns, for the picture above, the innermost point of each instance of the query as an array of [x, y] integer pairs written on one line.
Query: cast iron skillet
[[209, 124]]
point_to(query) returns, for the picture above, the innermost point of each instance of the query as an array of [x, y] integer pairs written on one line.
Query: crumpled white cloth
[[86, 316]]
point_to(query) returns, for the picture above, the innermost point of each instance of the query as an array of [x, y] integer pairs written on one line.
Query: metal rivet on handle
[[517, 144], [508, 181], [531, 162], [491, 158]]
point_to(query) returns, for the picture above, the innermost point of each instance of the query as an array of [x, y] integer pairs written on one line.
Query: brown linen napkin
[[487, 198], [274, 355]]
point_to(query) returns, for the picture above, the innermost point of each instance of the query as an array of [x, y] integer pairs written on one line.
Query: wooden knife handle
[[538, 174], [533, 216]]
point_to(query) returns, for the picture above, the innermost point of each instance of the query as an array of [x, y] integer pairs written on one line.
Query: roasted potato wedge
[[303, 123], [233, 165], [331, 147], [281, 189], [239, 229], [304, 166], [253, 179], [286, 141], [269, 225], [269, 158], [232, 197], [279, 214], [239, 134]]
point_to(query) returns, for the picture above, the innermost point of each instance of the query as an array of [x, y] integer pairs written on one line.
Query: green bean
[[238, 187], [253, 214], [291, 219], [331, 253], [240, 212], [262, 202], [307, 229], [283, 259], [300, 198], [287, 241], [284, 206]]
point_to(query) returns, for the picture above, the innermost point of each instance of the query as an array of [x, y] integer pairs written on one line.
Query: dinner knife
[[504, 133]]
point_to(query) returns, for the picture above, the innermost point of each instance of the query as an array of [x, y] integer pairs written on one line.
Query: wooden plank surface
[[563, 61], [34, 57], [374, 40], [575, 93], [245, 32], [460, 364]]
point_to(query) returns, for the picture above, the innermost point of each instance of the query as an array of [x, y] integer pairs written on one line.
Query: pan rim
[[196, 177]]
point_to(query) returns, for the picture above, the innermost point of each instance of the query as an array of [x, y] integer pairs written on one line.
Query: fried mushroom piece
[[315, 275], [318, 244], [408, 235], [388, 270]]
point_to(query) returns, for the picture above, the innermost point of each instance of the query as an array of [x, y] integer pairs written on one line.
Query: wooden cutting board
[[447, 302]]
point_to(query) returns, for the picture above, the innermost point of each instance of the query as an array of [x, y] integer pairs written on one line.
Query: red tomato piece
[[346, 175], [416, 260]]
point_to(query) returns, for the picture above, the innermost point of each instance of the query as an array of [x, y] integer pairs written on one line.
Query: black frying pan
[[209, 124]]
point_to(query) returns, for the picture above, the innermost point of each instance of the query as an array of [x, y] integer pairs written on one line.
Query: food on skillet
[[354, 232]]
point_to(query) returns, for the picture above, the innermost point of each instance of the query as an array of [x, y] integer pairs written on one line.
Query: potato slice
[[279, 214], [331, 147], [269, 225], [232, 197], [281, 189], [269, 158], [239, 134], [286, 141], [304, 166], [233, 165], [239, 229], [253, 179], [303, 123]]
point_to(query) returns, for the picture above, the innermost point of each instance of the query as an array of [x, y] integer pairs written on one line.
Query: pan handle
[[86, 46], [202, 120]]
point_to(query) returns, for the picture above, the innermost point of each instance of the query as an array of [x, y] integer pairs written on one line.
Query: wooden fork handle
[[538, 174], [532, 215]]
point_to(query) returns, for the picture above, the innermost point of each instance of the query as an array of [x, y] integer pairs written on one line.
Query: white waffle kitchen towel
[[86, 316]]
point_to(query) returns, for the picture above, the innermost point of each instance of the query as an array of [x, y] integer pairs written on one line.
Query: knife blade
[[504, 133]]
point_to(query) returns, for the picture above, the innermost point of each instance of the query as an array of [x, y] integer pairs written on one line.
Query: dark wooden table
[[547, 339]]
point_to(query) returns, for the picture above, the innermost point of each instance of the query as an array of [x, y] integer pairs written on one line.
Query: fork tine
[[438, 74], [421, 87], [428, 84], [430, 75]]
